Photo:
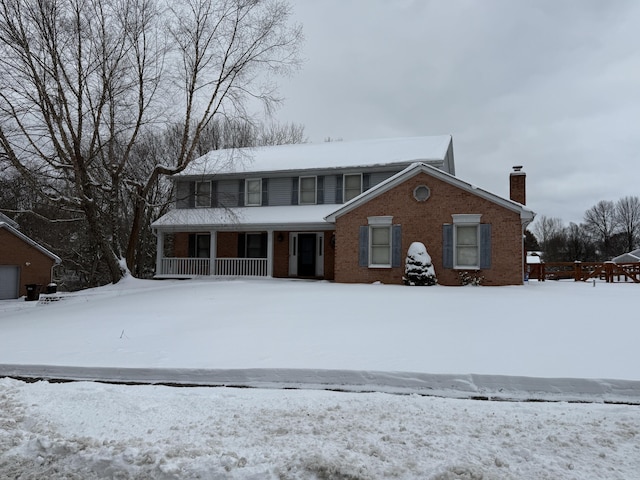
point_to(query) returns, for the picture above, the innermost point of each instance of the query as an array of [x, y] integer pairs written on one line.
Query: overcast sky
[[549, 84]]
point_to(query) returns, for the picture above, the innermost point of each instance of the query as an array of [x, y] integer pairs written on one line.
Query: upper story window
[[352, 186], [253, 193], [203, 194], [307, 191]]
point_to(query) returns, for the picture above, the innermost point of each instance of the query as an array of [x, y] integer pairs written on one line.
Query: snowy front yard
[[260, 330]]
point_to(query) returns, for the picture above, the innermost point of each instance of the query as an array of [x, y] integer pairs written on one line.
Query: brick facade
[[422, 222], [35, 267]]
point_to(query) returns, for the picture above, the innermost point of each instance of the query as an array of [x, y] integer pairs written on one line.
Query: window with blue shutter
[[241, 193], [485, 245], [265, 191], [294, 190], [363, 257], [396, 246], [447, 246], [320, 190]]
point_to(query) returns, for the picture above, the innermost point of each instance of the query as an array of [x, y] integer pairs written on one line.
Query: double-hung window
[[203, 194], [253, 192], [380, 241], [471, 242], [307, 191], [352, 186]]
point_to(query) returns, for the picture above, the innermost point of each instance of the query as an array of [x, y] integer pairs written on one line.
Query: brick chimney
[[517, 185]]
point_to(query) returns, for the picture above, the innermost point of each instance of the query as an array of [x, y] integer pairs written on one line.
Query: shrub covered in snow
[[467, 278], [418, 268]]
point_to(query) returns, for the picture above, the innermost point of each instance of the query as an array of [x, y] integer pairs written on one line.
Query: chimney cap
[[517, 168]]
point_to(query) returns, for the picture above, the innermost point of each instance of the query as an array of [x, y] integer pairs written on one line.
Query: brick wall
[[15, 251], [422, 222]]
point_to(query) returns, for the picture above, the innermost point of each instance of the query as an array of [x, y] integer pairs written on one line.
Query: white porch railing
[[232, 267], [184, 267], [241, 267]]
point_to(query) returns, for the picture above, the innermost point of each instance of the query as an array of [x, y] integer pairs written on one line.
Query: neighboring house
[[22, 261], [343, 211], [629, 257]]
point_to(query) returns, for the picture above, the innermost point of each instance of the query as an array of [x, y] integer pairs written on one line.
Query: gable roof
[[435, 150], [31, 242], [526, 215]]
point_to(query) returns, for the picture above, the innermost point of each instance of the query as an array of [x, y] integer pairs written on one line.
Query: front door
[[307, 254]]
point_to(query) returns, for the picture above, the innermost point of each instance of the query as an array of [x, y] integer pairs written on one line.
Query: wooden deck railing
[[232, 267], [582, 271]]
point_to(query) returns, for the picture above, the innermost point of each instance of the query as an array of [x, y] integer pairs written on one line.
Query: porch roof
[[302, 217]]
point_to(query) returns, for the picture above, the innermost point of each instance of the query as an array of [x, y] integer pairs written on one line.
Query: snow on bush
[[418, 268]]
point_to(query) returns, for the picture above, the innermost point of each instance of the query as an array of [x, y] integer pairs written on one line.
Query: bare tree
[[627, 217], [545, 228], [82, 80], [601, 221]]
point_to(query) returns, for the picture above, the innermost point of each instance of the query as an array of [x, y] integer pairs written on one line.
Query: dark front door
[[306, 254]]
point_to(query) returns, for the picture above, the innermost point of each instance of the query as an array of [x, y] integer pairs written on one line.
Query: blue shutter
[[396, 246], [242, 242], [192, 194], [339, 189], [241, 193], [320, 190], [265, 191], [294, 190], [363, 254], [447, 246], [366, 181], [214, 194], [485, 245]]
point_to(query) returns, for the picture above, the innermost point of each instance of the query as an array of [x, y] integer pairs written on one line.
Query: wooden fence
[[582, 271]]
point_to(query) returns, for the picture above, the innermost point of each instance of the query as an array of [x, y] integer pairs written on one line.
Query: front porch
[[271, 253]]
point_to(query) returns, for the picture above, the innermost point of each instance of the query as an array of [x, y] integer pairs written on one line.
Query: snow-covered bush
[[466, 278], [418, 269]]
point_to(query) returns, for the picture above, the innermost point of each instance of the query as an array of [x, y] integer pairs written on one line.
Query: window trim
[[246, 192], [380, 222], [315, 190], [344, 185], [466, 220], [198, 196]]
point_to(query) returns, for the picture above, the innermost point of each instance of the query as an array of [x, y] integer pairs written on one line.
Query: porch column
[[159, 251], [213, 245], [270, 253]]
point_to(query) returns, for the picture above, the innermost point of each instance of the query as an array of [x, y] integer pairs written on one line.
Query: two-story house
[[343, 211]]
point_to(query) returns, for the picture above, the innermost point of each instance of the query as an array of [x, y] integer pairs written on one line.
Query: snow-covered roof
[[31, 242], [307, 216], [435, 150], [526, 214], [628, 257]]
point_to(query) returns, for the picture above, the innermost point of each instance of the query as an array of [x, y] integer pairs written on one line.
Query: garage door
[[9, 277]]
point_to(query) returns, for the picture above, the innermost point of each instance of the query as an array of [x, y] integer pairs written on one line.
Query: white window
[[203, 194], [380, 241], [253, 194], [466, 240], [352, 185], [307, 191]]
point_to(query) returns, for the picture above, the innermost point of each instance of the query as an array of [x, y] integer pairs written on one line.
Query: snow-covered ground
[[547, 340]]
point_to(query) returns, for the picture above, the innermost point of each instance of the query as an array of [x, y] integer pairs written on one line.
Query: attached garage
[[9, 281], [22, 261]]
